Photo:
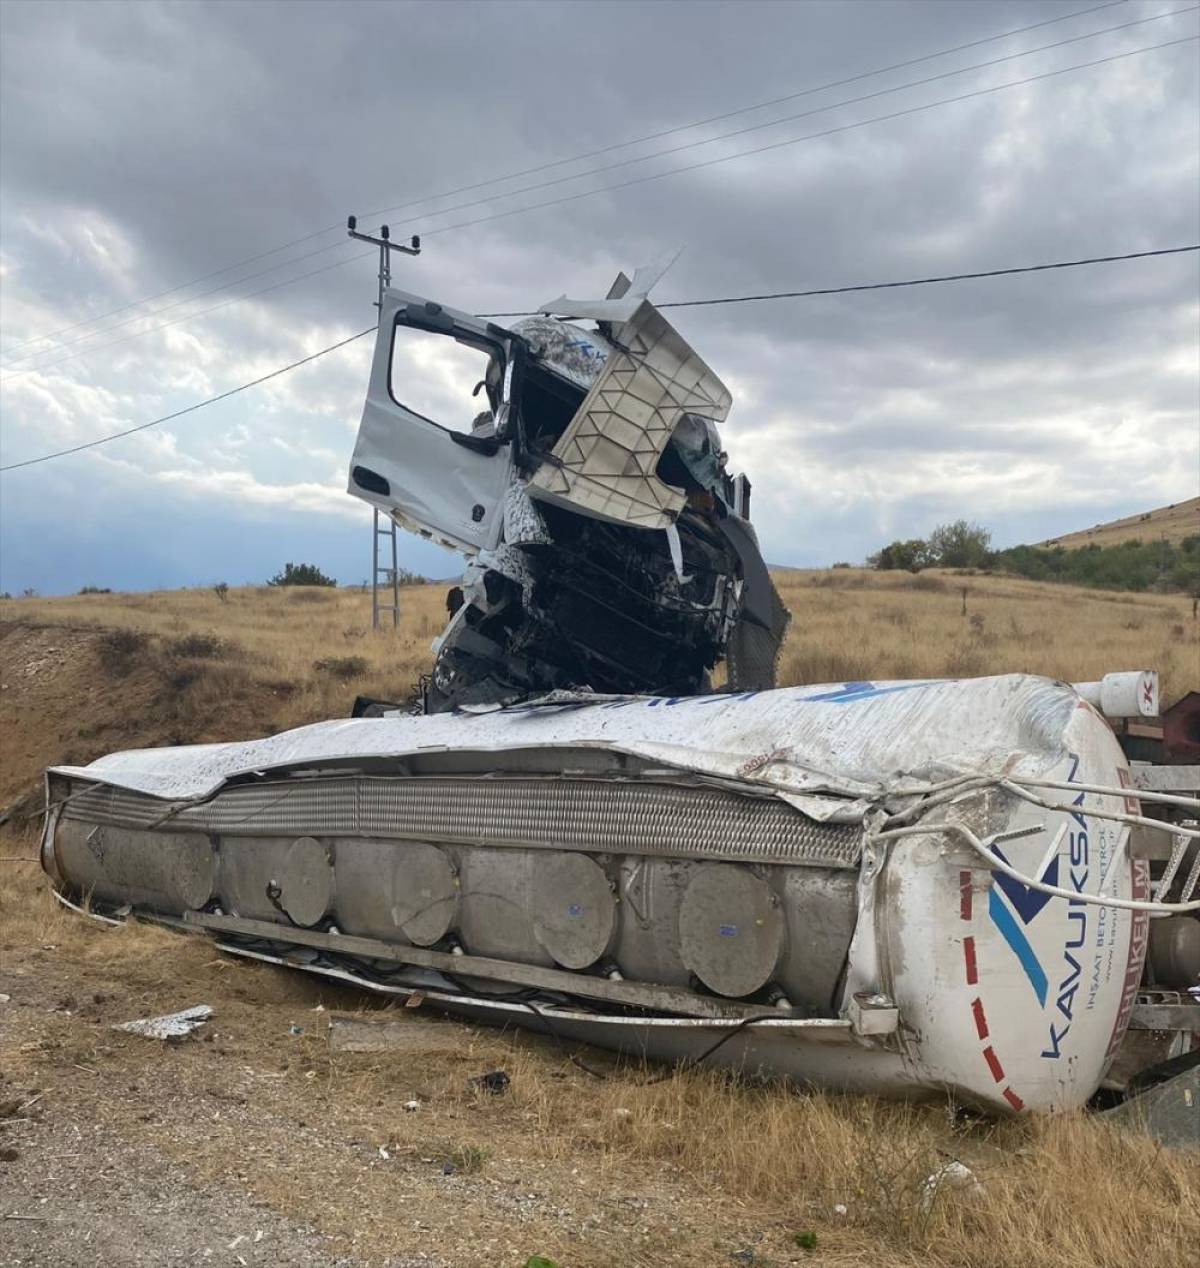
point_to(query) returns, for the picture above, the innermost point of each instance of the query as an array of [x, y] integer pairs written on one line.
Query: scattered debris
[[293, 1029], [1169, 1111], [360, 1034], [411, 1106], [4, 999], [383, 1153], [954, 1175], [494, 1081], [169, 1026], [839, 1208]]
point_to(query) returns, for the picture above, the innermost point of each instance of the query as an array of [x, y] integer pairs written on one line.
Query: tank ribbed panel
[[535, 813]]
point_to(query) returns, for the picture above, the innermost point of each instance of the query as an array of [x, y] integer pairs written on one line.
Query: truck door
[[440, 430]]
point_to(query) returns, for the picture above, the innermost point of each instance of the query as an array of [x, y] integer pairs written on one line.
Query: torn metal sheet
[[1169, 1112], [605, 463], [170, 1025], [386, 1034]]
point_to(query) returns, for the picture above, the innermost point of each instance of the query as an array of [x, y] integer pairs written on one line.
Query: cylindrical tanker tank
[[910, 888]]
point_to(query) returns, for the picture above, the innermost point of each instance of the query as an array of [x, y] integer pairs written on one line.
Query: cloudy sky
[[145, 145]]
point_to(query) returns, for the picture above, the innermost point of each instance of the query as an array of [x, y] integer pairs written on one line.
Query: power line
[[212, 308], [912, 281], [811, 136], [761, 105], [179, 303], [627, 162], [639, 180], [683, 303], [804, 114], [530, 171], [188, 409]]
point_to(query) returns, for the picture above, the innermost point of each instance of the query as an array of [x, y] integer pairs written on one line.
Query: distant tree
[[301, 575], [960, 545], [911, 555], [29, 593], [96, 590], [221, 590]]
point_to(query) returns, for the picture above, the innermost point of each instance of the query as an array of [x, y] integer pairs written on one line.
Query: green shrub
[[301, 575]]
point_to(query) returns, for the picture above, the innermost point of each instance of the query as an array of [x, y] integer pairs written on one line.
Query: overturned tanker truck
[[958, 887]]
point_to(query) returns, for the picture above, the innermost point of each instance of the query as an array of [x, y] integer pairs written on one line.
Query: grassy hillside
[[1172, 523]]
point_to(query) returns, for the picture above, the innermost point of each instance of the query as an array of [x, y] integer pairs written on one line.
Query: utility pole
[[388, 534]]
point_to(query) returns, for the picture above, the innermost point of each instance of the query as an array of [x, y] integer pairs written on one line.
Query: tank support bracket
[[668, 999]]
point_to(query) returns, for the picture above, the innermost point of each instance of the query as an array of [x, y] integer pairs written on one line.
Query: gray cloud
[[143, 144]]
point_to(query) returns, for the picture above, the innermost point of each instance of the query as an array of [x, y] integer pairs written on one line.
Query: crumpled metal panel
[[853, 740], [604, 462], [529, 813]]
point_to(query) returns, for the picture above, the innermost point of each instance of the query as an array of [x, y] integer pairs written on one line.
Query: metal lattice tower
[[390, 575]]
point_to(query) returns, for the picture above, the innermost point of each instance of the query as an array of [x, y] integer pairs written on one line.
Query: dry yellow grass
[[1171, 523], [848, 624]]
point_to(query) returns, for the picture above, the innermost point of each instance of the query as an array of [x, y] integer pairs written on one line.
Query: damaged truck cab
[[581, 473]]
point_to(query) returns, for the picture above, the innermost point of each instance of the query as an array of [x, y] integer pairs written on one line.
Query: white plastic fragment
[[410, 1106], [170, 1025], [954, 1175], [839, 1208]]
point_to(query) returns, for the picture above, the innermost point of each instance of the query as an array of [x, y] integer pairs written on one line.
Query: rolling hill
[[1171, 523]]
